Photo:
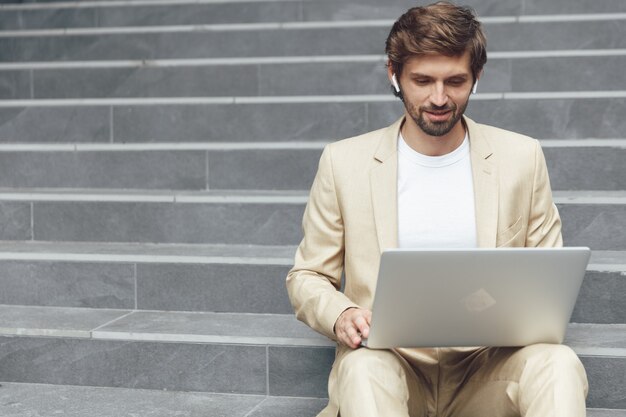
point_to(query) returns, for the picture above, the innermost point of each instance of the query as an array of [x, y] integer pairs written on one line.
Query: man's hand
[[353, 325]]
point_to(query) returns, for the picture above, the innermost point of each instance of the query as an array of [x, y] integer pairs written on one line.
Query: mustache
[[439, 109]]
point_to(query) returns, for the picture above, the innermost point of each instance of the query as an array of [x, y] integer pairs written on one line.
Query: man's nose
[[438, 95]]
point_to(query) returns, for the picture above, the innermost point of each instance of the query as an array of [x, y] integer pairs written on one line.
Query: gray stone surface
[[587, 168], [239, 12], [220, 288], [246, 43], [167, 366], [269, 254], [299, 372], [54, 321], [501, 75], [605, 412], [238, 223], [596, 226], [601, 298], [603, 259], [36, 400], [169, 223], [14, 85], [555, 35], [607, 379], [126, 170], [366, 9], [556, 74], [571, 6], [323, 78], [67, 284], [146, 82], [289, 407], [273, 12], [238, 122], [48, 18], [15, 221], [54, 124], [590, 336], [273, 170], [286, 42], [257, 329], [562, 118]]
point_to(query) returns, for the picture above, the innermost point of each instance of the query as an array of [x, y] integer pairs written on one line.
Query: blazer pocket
[[505, 237]]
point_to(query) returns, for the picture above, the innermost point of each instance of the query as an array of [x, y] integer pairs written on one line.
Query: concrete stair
[[155, 159], [290, 38], [289, 76]]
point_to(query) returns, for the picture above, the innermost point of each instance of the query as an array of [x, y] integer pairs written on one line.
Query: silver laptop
[[475, 297]]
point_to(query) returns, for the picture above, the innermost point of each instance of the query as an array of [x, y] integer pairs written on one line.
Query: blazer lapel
[[486, 190], [384, 187]]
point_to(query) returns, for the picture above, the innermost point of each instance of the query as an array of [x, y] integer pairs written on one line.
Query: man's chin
[[436, 129]]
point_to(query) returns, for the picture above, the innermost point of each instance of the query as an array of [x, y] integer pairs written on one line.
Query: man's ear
[[475, 86]]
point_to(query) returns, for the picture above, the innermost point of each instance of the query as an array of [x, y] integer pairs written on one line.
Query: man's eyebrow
[[420, 75]]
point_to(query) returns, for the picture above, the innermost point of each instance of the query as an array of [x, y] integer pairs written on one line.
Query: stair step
[[601, 260], [120, 120], [290, 38], [28, 399], [102, 15], [245, 354], [571, 168], [589, 339], [129, 13], [284, 79], [270, 219], [23, 399], [218, 278], [158, 326]]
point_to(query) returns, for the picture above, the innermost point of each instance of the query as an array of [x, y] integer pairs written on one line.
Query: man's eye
[[421, 82], [456, 83]]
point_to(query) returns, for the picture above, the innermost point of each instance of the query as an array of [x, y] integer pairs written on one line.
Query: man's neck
[[429, 145]]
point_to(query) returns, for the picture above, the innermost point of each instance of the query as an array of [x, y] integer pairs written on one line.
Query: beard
[[436, 128]]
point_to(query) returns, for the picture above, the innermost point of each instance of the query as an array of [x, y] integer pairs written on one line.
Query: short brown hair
[[440, 28]]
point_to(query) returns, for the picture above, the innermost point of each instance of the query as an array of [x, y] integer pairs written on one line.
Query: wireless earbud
[[474, 88], [394, 81]]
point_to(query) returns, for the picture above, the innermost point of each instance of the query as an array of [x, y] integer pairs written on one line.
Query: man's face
[[436, 91]]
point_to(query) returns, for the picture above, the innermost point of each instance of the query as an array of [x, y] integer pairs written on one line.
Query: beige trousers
[[534, 381]]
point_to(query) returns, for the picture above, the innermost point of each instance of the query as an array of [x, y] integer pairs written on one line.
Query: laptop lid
[[475, 297]]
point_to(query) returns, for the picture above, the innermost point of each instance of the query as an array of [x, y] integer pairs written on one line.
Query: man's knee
[[557, 356], [560, 360], [362, 363]]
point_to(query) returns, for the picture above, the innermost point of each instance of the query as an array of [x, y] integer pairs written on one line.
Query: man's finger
[[368, 316], [362, 326], [353, 336]]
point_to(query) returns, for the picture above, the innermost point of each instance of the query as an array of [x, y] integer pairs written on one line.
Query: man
[[435, 178]]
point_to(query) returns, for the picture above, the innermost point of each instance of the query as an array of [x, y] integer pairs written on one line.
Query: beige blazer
[[352, 216]]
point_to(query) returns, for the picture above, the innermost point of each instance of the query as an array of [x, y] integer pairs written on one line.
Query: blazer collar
[[486, 189], [384, 188]]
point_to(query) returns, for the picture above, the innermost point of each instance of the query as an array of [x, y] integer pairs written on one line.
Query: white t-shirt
[[435, 199]]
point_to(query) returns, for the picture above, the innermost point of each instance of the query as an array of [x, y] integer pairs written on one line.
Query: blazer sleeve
[[544, 223], [314, 282]]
